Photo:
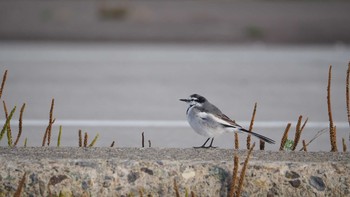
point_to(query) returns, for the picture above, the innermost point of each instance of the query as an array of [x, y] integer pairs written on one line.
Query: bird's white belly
[[204, 127]]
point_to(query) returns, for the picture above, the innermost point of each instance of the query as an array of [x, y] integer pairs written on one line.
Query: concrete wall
[[125, 171], [180, 21]]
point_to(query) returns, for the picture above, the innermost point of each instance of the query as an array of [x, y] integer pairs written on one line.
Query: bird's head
[[195, 100]]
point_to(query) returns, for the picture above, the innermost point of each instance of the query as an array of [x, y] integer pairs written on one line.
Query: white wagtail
[[207, 120]]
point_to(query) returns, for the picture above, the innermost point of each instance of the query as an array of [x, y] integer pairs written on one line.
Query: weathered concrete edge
[[100, 171]]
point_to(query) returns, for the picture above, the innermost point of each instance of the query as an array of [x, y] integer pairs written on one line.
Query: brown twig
[[331, 125], [298, 131], [348, 95], [285, 137], [47, 133], [236, 141], [112, 145], [7, 122], [85, 139], [51, 121], [3, 82], [176, 189], [80, 138], [297, 134], [59, 136], [241, 178], [20, 186], [329, 97], [262, 145], [344, 145], [20, 124], [318, 134], [334, 147], [192, 194], [143, 140], [6, 116], [304, 146], [94, 140], [251, 126], [234, 176]]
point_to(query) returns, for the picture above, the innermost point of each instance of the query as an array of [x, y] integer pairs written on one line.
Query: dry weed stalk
[[347, 95], [176, 189], [304, 146], [7, 122], [80, 138], [6, 116], [241, 178], [3, 82], [236, 141], [192, 194], [140, 192], [85, 139], [331, 125], [344, 145], [20, 186], [94, 140], [47, 133], [251, 125], [143, 139], [59, 136], [25, 142], [20, 124], [285, 136], [298, 131], [334, 147], [318, 134], [234, 176], [112, 145], [262, 145], [51, 121]]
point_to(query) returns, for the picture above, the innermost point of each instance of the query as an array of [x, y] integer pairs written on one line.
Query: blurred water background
[[119, 68]]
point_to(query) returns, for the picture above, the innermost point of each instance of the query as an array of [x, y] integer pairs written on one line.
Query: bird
[[207, 120]]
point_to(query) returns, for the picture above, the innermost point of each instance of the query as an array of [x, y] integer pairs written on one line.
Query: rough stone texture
[[120, 172]]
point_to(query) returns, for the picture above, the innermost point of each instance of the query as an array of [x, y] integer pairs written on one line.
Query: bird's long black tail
[[263, 138]]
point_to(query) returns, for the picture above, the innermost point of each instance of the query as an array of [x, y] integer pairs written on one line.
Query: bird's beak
[[185, 100]]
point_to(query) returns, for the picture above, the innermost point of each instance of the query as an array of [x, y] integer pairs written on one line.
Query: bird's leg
[[211, 144], [203, 146]]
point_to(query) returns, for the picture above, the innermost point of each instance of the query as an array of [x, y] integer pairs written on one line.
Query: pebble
[[317, 182]]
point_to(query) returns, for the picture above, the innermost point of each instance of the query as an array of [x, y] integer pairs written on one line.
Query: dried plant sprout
[[20, 125], [20, 186], [80, 138], [242, 175], [251, 126], [348, 95], [4, 77], [331, 124], [285, 136], [59, 136], [236, 141], [86, 136], [177, 193], [93, 142], [298, 131], [234, 176]]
